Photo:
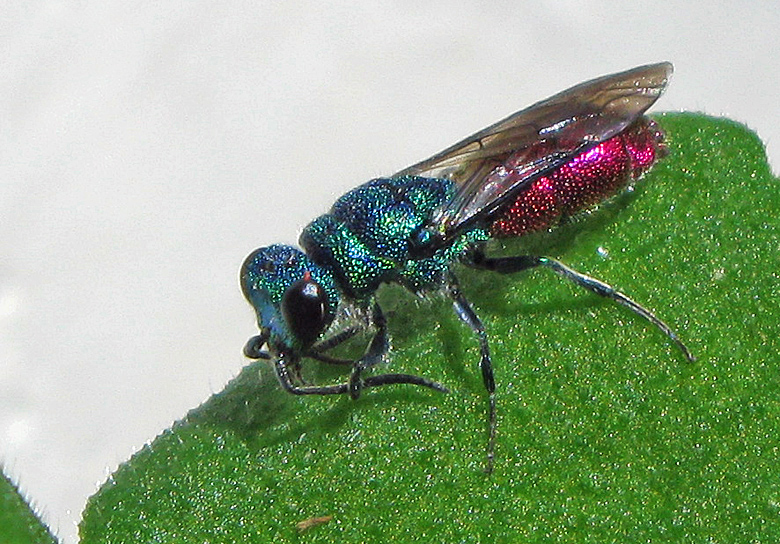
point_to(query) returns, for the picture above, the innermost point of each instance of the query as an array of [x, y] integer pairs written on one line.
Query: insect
[[520, 175]]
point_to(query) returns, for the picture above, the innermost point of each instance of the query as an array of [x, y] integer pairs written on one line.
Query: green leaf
[[18, 523], [605, 432]]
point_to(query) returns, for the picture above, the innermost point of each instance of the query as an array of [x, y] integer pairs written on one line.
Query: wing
[[568, 124]]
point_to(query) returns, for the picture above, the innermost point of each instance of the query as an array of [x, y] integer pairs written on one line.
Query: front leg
[[284, 367], [375, 354], [287, 363], [287, 372]]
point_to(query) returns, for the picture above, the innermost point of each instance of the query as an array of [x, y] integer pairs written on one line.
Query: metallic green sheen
[[365, 238]]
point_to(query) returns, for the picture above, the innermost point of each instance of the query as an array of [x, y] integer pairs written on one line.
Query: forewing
[[488, 167]]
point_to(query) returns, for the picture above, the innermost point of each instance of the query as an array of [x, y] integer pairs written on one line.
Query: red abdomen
[[584, 181]]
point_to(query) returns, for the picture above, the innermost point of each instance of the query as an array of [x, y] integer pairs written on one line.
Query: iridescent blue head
[[295, 299]]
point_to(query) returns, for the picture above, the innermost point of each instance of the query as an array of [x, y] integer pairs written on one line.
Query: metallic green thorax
[[365, 239]]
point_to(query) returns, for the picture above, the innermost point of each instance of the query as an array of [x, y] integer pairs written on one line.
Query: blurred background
[[147, 148]]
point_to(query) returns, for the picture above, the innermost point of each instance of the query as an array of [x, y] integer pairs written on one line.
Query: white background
[[146, 148]]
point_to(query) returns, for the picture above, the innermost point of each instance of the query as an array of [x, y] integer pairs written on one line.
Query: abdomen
[[584, 181]]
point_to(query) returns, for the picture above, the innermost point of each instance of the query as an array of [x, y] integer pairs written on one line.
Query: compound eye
[[304, 309]]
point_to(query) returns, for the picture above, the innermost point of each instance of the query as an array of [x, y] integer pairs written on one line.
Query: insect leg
[[467, 315], [375, 353], [288, 368], [317, 352], [337, 339], [390, 379], [508, 265], [254, 347], [287, 372]]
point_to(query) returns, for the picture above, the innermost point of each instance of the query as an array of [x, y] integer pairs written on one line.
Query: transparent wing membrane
[[492, 166]]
